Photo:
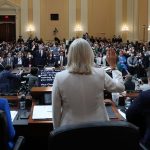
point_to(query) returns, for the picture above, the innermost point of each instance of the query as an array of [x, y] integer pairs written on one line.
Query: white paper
[[42, 112], [13, 114], [122, 113]]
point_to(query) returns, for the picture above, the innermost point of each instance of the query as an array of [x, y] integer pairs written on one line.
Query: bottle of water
[[22, 102]]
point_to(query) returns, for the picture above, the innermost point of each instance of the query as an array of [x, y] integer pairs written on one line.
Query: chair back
[[3, 131], [104, 135]]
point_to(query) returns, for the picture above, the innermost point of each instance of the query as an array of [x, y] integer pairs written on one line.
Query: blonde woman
[[77, 94]]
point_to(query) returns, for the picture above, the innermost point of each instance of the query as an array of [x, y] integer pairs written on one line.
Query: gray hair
[[80, 57]]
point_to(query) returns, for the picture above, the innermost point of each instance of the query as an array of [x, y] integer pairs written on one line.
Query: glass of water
[[127, 103]]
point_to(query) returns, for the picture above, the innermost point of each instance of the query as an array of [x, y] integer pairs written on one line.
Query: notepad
[[42, 112], [13, 114]]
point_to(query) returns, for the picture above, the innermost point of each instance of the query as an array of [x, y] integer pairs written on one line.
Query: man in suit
[[7, 79], [139, 114], [61, 60], [19, 61], [40, 56], [9, 60]]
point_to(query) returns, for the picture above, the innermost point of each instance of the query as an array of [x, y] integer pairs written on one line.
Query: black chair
[[103, 135], [19, 141]]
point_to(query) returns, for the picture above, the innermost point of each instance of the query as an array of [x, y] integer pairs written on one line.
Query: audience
[[77, 94]]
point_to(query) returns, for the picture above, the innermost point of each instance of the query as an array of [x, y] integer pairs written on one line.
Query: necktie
[[132, 60]]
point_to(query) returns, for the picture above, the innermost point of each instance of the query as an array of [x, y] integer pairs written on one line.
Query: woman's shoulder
[[98, 70], [62, 73]]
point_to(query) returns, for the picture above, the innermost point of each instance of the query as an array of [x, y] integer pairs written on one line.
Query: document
[[13, 114], [42, 112], [122, 114]]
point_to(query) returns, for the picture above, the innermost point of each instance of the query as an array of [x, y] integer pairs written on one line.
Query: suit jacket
[[58, 61], [79, 98], [139, 114], [5, 107], [40, 60], [6, 80], [7, 62], [16, 61]]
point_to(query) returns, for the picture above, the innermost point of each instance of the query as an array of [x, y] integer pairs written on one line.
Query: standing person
[[77, 94]]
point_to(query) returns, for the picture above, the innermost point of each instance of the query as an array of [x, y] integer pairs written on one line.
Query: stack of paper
[[122, 114], [42, 112], [13, 114]]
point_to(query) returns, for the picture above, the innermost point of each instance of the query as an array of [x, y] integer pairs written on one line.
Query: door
[[7, 28]]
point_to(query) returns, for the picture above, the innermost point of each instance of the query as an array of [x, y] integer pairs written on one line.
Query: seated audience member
[[33, 78], [7, 79], [145, 82], [5, 107], [19, 61], [132, 64], [129, 84], [139, 114], [78, 91]]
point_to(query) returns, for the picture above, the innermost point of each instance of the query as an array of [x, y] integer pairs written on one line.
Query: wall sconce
[[30, 29], [125, 28], [55, 31], [78, 28], [148, 28]]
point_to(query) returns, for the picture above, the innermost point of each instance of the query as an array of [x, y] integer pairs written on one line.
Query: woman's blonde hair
[[80, 57]]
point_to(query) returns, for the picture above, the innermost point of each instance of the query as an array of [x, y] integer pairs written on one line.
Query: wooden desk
[[49, 121], [37, 131], [41, 89], [11, 98]]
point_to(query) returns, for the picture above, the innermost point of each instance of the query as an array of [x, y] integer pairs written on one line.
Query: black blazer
[[139, 114]]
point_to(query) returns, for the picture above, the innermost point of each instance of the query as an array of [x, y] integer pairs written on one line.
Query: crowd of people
[[133, 57], [82, 59]]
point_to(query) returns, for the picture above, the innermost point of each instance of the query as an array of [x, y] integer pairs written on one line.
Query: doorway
[[7, 28]]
